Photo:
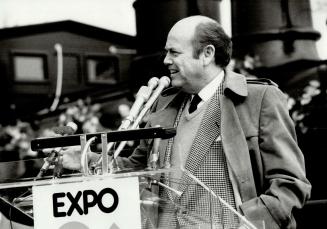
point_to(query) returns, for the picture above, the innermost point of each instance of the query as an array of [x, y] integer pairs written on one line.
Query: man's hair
[[211, 33]]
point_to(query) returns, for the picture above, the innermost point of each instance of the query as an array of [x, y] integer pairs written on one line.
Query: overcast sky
[[319, 18], [116, 15]]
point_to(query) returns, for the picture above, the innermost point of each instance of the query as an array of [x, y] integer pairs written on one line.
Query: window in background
[[29, 67], [102, 69]]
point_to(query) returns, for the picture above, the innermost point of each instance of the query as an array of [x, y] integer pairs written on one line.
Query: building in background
[[46, 65]]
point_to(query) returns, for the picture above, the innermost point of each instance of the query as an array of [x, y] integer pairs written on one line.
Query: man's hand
[[71, 157]]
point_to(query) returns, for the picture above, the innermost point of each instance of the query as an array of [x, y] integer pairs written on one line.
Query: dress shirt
[[209, 90]]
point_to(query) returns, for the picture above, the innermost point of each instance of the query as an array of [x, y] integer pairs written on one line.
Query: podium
[[139, 199], [143, 203]]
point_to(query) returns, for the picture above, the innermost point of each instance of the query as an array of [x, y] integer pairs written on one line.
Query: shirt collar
[[209, 90]]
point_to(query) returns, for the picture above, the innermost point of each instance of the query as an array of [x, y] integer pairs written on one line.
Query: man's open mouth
[[173, 71]]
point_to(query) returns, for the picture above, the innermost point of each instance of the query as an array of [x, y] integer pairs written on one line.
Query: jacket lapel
[[236, 149], [237, 155]]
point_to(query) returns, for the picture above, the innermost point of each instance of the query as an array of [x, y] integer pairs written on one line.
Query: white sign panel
[[97, 204]]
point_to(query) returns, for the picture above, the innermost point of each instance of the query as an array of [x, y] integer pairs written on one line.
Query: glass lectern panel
[[124, 199]]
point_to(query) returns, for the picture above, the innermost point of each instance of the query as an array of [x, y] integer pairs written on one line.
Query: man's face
[[185, 70]]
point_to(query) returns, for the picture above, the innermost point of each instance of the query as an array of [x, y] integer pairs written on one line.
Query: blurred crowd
[[16, 156]]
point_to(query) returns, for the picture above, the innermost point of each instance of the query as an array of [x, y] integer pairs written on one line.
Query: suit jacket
[[259, 142]]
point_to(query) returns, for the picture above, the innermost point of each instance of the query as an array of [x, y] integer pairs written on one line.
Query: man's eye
[[174, 53]]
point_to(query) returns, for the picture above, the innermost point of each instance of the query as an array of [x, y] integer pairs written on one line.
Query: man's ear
[[208, 54]]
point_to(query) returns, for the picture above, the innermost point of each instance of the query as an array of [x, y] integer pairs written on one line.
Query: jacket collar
[[235, 84]]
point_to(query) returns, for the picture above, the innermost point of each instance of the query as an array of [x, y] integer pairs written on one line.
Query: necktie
[[194, 103]]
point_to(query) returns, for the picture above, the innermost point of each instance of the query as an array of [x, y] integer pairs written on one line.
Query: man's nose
[[167, 60]]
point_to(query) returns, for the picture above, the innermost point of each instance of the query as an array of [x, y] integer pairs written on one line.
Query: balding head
[[186, 27], [196, 52], [190, 23], [201, 31]]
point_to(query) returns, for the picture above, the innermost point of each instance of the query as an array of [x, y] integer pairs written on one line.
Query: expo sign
[[96, 199], [93, 204]]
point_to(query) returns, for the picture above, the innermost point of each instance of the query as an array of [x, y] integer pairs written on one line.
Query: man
[[238, 140]]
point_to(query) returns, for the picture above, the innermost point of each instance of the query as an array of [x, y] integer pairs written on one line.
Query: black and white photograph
[[163, 114]]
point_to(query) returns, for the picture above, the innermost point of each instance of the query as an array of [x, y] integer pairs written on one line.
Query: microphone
[[69, 129], [142, 96], [153, 82], [163, 83]]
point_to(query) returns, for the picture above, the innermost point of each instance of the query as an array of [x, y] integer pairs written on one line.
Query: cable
[[10, 221], [84, 161]]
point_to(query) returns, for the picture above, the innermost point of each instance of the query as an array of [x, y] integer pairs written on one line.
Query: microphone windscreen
[[164, 81], [153, 82]]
